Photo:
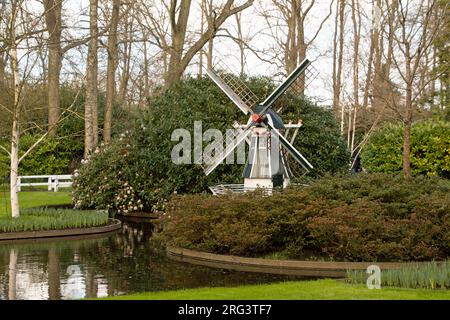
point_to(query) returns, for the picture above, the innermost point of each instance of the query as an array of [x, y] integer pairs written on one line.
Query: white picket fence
[[53, 182]]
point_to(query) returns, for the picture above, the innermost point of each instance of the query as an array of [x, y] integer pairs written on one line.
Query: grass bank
[[297, 290], [29, 199]]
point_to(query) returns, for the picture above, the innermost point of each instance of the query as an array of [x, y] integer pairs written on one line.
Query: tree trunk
[[179, 26], [301, 47], [53, 10], [126, 59], [408, 116], [378, 79], [202, 28], [111, 71], [291, 51], [240, 44], [335, 54], [2, 69], [15, 133], [373, 42], [356, 18], [337, 89], [390, 49], [146, 72], [90, 112], [209, 56], [14, 169]]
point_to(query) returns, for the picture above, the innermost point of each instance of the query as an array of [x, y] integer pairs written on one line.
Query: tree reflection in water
[[104, 265]]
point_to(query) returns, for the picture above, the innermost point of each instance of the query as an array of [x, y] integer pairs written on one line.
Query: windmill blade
[[212, 163], [285, 85], [229, 92], [291, 149]]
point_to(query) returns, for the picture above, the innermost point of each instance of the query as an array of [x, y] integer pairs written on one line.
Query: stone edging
[[152, 216], [284, 267], [113, 224]]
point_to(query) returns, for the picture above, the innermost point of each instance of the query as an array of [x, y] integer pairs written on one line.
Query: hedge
[[369, 217]]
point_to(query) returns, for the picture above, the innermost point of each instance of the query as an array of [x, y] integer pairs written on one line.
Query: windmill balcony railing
[[222, 189]]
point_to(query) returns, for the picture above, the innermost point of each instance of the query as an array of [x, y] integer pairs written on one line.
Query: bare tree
[[179, 56], [288, 23], [413, 39]]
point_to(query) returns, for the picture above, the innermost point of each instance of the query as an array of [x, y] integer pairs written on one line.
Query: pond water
[[120, 263]]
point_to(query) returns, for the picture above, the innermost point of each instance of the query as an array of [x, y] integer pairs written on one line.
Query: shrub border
[[112, 225], [283, 267]]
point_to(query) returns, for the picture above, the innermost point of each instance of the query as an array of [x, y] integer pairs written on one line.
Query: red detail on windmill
[[256, 118]]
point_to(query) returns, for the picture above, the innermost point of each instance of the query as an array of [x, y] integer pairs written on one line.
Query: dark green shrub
[[430, 149], [135, 171], [51, 156], [369, 217]]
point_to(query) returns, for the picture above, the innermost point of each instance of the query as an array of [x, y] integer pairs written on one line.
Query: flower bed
[[39, 219]]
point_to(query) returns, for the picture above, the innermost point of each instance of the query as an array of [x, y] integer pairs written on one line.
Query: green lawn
[[28, 199], [296, 290]]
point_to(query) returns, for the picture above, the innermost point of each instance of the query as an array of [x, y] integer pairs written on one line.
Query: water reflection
[[120, 263]]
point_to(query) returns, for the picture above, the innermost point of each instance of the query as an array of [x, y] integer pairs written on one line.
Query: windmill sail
[[282, 87], [213, 161], [229, 92], [233, 86], [291, 149]]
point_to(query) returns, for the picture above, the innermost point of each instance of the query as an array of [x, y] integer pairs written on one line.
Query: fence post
[[55, 189], [19, 180], [49, 183]]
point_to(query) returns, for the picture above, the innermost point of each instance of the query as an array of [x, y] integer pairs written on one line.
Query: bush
[[51, 156], [369, 217], [135, 171], [430, 149]]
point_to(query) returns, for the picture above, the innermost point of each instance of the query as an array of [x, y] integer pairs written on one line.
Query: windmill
[[267, 166]]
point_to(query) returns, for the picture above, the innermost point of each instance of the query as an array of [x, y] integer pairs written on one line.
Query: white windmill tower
[[267, 166]]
